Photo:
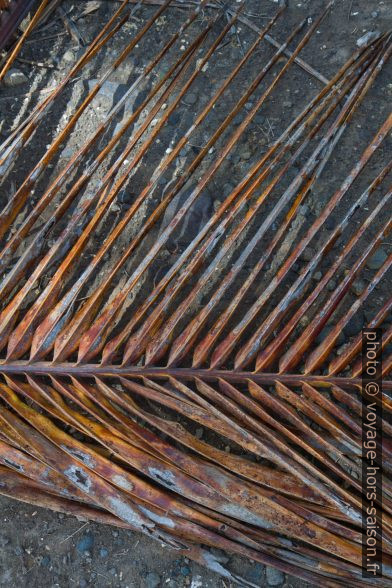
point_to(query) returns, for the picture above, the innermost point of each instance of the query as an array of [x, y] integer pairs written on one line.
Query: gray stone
[[103, 552], [14, 77], [199, 432], [317, 276], [331, 285], [308, 254], [45, 561], [304, 321], [190, 99], [152, 580], [374, 14], [256, 574], [126, 197], [376, 261], [4, 541], [245, 154], [303, 210], [358, 287], [174, 119], [85, 543], [185, 571], [69, 56], [274, 577]]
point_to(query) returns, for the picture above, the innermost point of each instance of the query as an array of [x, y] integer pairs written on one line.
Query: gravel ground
[[42, 548]]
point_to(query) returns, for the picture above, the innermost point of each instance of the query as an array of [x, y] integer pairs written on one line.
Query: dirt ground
[[45, 549]]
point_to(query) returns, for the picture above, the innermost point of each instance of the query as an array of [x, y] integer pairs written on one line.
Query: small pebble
[[274, 577], [45, 561], [358, 287], [304, 321], [190, 98], [4, 541], [85, 543], [256, 574], [199, 432], [14, 77], [185, 570], [152, 580], [103, 552], [245, 155], [308, 254], [376, 261], [317, 276], [227, 189], [125, 197], [69, 56]]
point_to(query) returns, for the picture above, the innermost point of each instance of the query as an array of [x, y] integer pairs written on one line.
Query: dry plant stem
[[134, 344], [57, 184], [181, 345], [103, 205], [18, 200], [101, 196], [20, 42], [19, 137], [88, 346], [70, 336], [266, 357], [80, 214], [305, 66], [250, 348]]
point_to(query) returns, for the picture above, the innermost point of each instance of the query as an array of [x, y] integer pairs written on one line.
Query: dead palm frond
[[121, 337]]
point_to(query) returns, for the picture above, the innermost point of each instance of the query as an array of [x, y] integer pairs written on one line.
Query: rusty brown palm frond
[[121, 335]]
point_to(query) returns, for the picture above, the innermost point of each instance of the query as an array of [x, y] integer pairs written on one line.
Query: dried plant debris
[[191, 262]]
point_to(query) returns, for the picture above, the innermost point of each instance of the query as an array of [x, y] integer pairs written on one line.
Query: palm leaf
[[122, 336]]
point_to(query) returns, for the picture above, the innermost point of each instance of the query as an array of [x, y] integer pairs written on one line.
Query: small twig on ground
[[36, 63], [73, 534], [72, 28]]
